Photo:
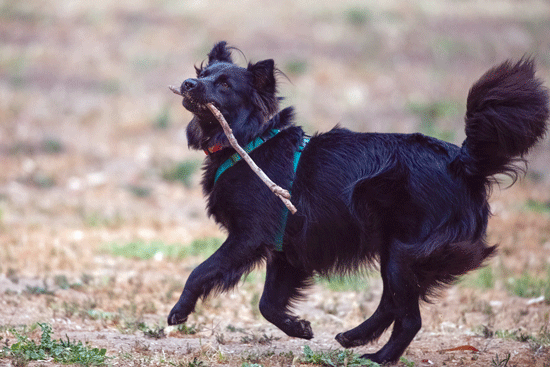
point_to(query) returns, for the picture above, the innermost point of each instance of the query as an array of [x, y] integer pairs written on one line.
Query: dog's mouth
[[198, 108]]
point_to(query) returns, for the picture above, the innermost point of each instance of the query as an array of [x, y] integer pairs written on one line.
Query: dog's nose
[[189, 84]]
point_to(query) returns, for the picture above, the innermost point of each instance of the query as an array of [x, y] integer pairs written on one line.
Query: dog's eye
[[224, 84]]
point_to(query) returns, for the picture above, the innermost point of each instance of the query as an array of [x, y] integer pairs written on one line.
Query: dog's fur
[[415, 204]]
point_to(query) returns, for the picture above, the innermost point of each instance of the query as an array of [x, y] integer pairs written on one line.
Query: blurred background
[[97, 185], [88, 126]]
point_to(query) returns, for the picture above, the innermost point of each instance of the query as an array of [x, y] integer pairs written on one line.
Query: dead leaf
[[462, 347]]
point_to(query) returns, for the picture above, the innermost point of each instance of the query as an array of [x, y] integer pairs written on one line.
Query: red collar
[[213, 149]]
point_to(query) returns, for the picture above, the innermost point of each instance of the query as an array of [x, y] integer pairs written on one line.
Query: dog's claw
[[175, 317], [307, 332], [174, 320]]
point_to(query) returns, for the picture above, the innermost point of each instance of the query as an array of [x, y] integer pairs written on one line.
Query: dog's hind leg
[[399, 304], [380, 320], [372, 328], [405, 295], [283, 285]]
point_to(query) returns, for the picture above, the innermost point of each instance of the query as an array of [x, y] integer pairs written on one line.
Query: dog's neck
[[280, 121]]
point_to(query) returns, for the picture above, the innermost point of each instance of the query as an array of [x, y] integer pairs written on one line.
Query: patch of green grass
[[145, 62], [406, 362], [139, 191], [14, 11], [542, 338], [63, 282], [358, 16], [98, 219], [40, 180], [205, 246], [343, 283], [431, 113], [483, 278], [528, 285], [335, 358], [196, 363], [512, 335], [498, 362], [94, 314], [52, 146], [235, 329], [37, 290], [162, 121], [60, 351], [296, 67], [256, 358], [255, 339], [16, 66], [155, 332], [187, 330], [182, 172], [445, 48], [145, 251], [109, 86], [537, 206]]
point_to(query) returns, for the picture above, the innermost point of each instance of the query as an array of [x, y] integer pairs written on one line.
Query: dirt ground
[[89, 134]]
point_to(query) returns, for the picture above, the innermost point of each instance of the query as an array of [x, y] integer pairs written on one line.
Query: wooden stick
[[283, 194], [175, 90]]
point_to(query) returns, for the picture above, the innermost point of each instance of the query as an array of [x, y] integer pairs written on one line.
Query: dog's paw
[[177, 316], [306, 331], [175, 319], [379, 358], [340, 338], [349, 343], [299, 328]]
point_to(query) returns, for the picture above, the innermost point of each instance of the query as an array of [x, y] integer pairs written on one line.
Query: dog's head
[[245, 96]]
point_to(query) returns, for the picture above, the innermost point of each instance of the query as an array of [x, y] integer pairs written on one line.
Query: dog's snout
[[189, 84]]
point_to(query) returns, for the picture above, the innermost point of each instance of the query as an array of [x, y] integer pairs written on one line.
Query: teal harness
[[278, 242]]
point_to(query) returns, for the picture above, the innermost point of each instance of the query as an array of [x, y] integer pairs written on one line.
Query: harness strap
[[278, 241], [279, 237], [248, 148]]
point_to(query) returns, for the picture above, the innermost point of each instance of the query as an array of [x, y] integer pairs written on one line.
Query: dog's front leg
[[221, 271], [283, 285]]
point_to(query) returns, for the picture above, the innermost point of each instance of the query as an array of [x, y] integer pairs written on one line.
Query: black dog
[[416, 204]]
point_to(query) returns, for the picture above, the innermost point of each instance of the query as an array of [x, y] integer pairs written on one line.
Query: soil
[[89, 130]]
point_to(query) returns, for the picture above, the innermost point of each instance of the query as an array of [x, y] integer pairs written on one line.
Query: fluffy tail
[[507, 111]]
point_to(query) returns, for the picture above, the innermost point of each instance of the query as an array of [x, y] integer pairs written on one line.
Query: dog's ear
[[265, 86], [263, 73], [220, 53]]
